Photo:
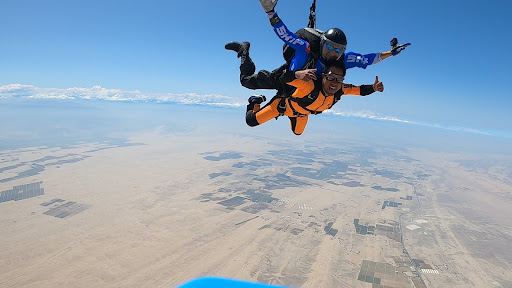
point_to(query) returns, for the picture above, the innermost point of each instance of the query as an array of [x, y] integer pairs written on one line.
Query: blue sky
[[454, 75]]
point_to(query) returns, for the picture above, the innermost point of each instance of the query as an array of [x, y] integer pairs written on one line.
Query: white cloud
[[20, 91], [100, 93], [365, 114], [16, 90]]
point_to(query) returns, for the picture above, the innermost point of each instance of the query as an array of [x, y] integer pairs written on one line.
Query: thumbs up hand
[[377, 85]]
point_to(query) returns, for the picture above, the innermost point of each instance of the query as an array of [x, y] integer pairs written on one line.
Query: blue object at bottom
[[221, 282]]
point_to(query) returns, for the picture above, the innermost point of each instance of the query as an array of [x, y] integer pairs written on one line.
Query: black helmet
[[335, 35]]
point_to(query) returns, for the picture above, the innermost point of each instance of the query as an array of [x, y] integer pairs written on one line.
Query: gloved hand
[[268, 5], [396, 50]]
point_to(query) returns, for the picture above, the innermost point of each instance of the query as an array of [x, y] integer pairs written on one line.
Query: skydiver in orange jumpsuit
[[312, 96]]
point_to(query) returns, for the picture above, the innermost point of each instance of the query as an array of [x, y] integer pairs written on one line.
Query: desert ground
[[165, 207]]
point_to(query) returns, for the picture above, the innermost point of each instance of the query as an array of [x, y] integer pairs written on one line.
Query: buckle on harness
[[281, 107]]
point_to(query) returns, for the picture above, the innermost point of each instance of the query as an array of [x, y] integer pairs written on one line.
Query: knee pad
[[250, 119]]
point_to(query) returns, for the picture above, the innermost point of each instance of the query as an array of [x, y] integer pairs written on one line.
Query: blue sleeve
[[300, 46], [353, 59]]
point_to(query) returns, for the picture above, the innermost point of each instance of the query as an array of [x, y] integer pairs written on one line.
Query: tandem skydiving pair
[[311, 80]]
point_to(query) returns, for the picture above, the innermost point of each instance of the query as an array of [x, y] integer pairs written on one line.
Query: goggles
[[331, 77], [331, 45], [330, 48]]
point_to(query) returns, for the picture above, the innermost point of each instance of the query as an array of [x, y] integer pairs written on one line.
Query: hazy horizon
[[54, 116]]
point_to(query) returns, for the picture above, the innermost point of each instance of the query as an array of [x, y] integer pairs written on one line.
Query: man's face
[[332, 51], [332, 80]]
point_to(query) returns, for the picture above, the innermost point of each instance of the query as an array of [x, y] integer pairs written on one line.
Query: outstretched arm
[[300, 46], [393, 52], [353, 59], [268, 5], [363, 90]]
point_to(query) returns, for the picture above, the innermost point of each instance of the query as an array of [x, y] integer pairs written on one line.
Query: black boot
[[239, 47], [257, 99]]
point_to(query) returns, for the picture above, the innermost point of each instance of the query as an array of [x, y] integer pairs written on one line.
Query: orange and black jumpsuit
[[307, 99]]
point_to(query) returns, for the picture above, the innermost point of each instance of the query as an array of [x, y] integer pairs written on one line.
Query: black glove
[[396, 50], [268, 5]]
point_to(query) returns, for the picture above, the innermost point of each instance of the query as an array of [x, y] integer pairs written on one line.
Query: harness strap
[[298, 103], [281, 107], [312, 15]]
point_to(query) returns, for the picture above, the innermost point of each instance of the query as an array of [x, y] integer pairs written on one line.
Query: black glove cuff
[[275, 19], [366, 90]]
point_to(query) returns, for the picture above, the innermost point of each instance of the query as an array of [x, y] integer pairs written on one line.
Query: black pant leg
[[262, 80]]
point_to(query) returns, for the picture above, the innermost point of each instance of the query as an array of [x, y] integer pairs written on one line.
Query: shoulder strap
[[337, 96]]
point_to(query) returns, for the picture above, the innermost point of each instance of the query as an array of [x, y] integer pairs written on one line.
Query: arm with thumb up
[[363, 90]]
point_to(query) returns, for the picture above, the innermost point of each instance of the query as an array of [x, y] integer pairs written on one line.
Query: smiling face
[[332, 80]]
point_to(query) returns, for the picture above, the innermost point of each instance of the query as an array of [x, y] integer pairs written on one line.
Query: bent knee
[[250, 119]]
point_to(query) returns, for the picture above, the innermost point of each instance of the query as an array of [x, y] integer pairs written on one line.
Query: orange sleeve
[[303, 87], [349, 89]]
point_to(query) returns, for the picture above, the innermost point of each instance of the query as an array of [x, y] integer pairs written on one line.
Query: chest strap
[[313, 112]]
